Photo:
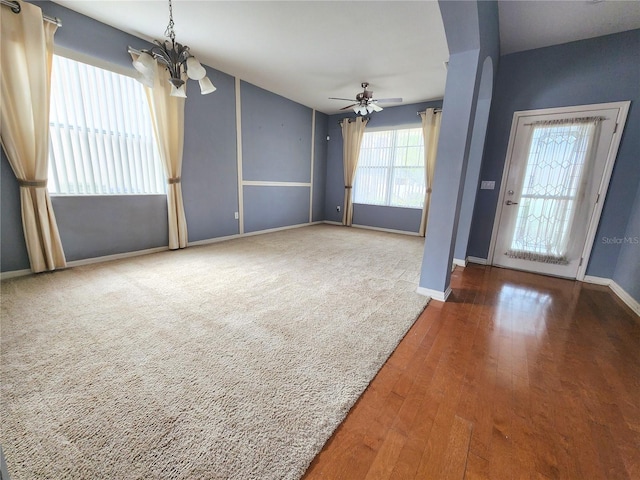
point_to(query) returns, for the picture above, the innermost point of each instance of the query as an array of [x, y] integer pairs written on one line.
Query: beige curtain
[[352, 133], [167, 116], [25, 76], [431, 132]]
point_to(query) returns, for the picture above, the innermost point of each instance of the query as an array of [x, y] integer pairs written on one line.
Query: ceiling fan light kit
[[365, 103], [178, 61]]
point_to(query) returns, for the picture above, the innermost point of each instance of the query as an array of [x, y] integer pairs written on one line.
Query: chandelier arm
[[184, 54]]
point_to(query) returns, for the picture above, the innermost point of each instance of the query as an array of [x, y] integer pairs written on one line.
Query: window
[[391, 169], [101, 133]]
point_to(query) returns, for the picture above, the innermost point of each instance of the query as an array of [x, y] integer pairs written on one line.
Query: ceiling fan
[[365, 103]]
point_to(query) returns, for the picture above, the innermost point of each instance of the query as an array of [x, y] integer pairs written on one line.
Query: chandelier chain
[[169, 32]]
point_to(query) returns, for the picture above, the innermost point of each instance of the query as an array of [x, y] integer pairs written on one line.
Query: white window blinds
[[101, 133], [391, 169]]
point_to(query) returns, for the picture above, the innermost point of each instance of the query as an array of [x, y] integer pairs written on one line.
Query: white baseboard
[[89, 261], [208, 241], [117, 256], [271, 230], [477, 260], [459, 262], [378, 229], [631, 302], [597, 280], [388, 230], [15, 273], [622, 294], [137, 253], [435, 294]]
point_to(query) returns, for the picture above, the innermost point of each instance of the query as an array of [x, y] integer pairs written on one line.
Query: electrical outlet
[[236, 215], [338, 208]]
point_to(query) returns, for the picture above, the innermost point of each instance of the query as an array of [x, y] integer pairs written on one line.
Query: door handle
[[509, 202]]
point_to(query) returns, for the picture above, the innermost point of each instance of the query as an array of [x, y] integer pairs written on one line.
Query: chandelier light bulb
[[146, 80], [195, 71], [206, 86], [178, 92], [144, 64]]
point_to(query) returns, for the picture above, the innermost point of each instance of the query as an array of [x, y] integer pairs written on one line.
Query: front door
[[554, 181]]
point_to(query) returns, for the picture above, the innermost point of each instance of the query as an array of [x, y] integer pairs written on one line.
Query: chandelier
[[178, 61], [366, 107]]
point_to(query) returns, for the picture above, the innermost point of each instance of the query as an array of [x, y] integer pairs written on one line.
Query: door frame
[[623, 110]]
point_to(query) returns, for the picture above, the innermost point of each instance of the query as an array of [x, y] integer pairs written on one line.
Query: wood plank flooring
[[517, 376]]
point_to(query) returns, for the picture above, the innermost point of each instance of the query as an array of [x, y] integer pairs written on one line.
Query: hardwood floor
[[516, 376]]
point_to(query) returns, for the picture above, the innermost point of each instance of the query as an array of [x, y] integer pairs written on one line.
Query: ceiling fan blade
[[389, 100], [350, 106], [346, 99]]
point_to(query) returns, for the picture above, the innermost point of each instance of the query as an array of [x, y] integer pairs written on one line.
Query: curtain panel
[[352, 133], [431, 132], [25, 76], [167, 117]]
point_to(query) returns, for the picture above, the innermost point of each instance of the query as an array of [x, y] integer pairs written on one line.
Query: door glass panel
[[552, 189]]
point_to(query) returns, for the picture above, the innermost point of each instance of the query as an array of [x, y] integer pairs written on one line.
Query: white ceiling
[[533, 24], [308, 51], [305, 51]]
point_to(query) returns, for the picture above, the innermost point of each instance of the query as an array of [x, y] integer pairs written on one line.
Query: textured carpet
[[235, 360]]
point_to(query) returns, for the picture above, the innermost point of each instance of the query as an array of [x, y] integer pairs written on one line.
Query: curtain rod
[[16, 8], [435, 110], [562, 121]]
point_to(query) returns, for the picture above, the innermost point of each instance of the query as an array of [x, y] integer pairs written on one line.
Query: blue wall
[[13, 250], [627, 272], [276, 147], [273, 206], [95, 226], [603, 69], [209, 166], [276, 141], [276, 137], [472, 177], [403, 219], [472, 36]]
